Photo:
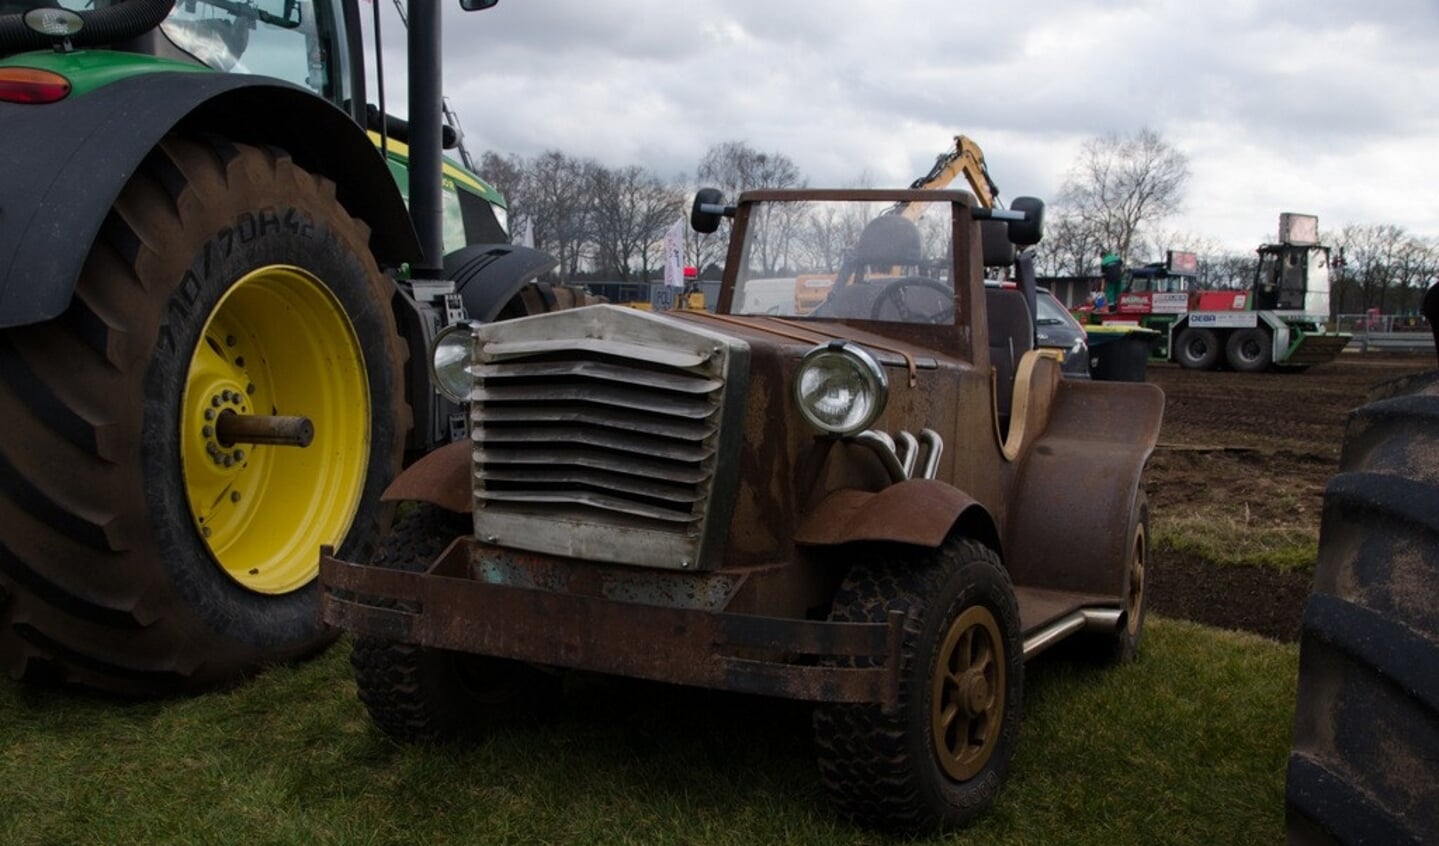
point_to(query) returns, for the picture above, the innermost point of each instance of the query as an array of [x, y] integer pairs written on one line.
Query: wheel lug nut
[[208, 431], [239, 455], [209, 414], [228, 461], [215, 401]]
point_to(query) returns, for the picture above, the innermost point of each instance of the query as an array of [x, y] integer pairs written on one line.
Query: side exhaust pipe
[[1085, 619]]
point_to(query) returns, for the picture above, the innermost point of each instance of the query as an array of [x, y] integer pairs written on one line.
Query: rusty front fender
[[917, 511], [441, 478]]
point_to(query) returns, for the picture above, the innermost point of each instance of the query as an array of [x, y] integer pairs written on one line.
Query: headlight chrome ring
[[840, 388], [450, 356]]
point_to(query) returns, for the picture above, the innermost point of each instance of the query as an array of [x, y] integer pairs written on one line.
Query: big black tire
[[142, 555], [940, 759], [1197, 349], [1249, 350], [420, 695], [1365, 760]]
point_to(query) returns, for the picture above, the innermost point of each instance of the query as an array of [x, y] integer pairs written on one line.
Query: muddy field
[[1262, 447]]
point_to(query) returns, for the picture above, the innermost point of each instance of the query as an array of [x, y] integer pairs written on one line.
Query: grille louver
[[585, 439]]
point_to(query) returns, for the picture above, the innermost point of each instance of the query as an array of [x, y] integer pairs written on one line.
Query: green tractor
[[211, 289]]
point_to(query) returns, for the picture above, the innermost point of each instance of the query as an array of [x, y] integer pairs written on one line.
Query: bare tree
[[1381, 266], [506, 173], [631, 209], [1122, 184], [734, 167], [554, 190], [1070, 248]]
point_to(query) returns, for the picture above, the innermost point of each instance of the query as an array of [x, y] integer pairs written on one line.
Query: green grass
[[1234, 541], [1187, 745]]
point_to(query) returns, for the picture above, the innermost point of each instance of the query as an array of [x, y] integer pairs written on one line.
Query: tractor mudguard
[[441, 478], [487, 276], [1077, 486], [917, 511], [66, 162]]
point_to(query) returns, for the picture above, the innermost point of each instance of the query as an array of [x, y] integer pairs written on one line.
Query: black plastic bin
[[1120, 357]]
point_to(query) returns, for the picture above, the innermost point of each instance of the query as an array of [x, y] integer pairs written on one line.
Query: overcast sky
[[1327, 107]]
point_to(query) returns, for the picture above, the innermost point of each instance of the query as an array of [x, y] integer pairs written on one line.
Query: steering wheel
[[907, 310]]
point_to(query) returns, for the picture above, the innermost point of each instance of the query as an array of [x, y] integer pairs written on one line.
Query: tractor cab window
[[295, 40], [850, 260]]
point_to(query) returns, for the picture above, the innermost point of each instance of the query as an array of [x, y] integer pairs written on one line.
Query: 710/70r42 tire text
[[145, 552]]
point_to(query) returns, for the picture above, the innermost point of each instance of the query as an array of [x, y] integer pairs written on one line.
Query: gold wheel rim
[[1136, 581], [277, 343], [967, 694]]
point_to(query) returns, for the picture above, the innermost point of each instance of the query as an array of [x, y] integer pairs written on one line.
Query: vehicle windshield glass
[[1048, 310], [852, 260], [285, 39]]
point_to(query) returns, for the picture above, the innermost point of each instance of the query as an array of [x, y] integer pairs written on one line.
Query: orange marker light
[[28, 85]]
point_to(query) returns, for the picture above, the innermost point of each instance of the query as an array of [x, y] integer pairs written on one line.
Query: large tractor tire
[[1249, 350], [417, 694], [1198, 349], [1366, 732], [940, 758], [146, 549]]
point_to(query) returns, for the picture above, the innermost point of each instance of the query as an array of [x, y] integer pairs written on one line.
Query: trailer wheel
[[1249, 350], [1366, 729], [1197, 349], [148, 550], [940, 759], [416, 694]]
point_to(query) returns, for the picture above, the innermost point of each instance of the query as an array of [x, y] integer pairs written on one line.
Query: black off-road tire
[[1249, 350], [888, 770], [105, 580], [1197, 349], [1365, 760], [420, 695]]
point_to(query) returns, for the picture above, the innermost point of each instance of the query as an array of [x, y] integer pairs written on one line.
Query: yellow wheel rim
[[967, 701], [277, 343]]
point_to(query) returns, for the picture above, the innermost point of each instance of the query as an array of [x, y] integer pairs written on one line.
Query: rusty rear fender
[[1068, 523], [918, 511]]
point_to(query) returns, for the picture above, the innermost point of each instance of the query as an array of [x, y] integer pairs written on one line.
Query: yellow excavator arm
[[966, 158]]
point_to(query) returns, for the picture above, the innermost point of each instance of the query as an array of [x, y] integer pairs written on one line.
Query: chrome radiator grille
[[596, 435]]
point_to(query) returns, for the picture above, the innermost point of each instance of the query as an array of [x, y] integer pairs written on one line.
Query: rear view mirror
[[708, 208], [1030, 230]]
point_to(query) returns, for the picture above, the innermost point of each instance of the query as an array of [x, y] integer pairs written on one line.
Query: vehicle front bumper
[[444, 608]]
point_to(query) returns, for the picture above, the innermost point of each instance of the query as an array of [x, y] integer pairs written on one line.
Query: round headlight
[[450, 357], [840, 388]]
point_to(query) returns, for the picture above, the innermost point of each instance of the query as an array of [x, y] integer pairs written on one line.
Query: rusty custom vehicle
[[883, 507]]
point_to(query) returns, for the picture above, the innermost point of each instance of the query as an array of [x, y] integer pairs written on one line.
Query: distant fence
[[1387, 332]]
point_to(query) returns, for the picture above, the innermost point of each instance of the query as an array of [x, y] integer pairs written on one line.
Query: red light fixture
[[32, 86]]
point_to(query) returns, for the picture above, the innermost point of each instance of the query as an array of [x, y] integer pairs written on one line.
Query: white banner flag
[[675, 255]]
